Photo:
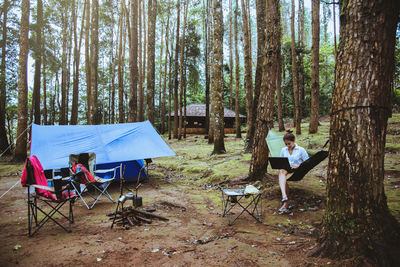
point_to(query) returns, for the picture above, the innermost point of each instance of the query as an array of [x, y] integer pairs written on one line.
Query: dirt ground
[[196, 234]]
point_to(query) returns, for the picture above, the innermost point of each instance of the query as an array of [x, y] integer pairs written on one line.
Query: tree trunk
[[170, 93], [206, 63], [237, 77], [301, 61], [230, 57], [265, 110], [248, 81], [121, 117], [20, 149], [77, 52], [64, 65], [133, 64], [141, 96], [87, 63], [219, 146], [45, 121], [261, 7], [181, 75], [96, 116], [164, 88], [357, 220], [140, 115], [279, 67], [160, 77], [3, 83], [151, 73], [176, 104], [313, 128], [296, 93], [38, 63]]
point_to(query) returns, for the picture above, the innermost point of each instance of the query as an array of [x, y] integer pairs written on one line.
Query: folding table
[[251, 203]]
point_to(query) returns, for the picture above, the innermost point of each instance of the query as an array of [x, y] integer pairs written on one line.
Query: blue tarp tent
[[128, 143]]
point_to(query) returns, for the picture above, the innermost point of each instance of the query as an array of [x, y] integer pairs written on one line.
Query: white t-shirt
[[299, 155]]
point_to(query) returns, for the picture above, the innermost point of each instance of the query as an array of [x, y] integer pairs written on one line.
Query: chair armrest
[[106, 170]]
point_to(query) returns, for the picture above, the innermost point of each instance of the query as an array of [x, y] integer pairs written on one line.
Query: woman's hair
[[289, 136]]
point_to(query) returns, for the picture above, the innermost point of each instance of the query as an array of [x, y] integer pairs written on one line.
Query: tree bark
[[181, 74], [280, 67], [230, 57], [313, 128], [121, 116], [21, 139], [3, 83], [237, 76], [133, 64], [164, 88], [261, 7], [301, 61], [64, 66], [151, 70], [296, 93], [219, 146], [77, 52], [357, 220], [96, 115], [140, 115], [265, 109], [87, 64], [143, 74], [176, 104], [38, 63], [248, 80]]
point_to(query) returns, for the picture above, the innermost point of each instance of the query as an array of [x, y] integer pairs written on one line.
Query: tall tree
[[260, 9], [248, 80], [133, 64], [280, 67], [3, 92], [164, 88], [181, 70], [357, 220], [20, 149], [230, 57], [207, 30], [176, 83], [77, 52], [217, 99], [313, 128], [94, 57], [301, 34], [143, 68], [296, 93], [237, 76], [140, 48], [151, 73], [87, 63], [38, 62], [265, 109], [64, 63], [121, 116]]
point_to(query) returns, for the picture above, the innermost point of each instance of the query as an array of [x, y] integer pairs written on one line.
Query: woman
[[296, 155]]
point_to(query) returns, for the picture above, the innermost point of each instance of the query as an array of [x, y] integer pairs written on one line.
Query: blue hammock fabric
[[307, 165]]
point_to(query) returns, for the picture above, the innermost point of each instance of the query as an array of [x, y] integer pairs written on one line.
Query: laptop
[[280, 163]]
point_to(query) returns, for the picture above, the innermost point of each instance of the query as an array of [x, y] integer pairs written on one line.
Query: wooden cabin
[[196, 117]]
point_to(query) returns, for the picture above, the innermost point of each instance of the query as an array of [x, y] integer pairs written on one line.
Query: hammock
[[275, 144]]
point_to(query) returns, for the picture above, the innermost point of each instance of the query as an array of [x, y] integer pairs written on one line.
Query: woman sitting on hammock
[[296, 155]]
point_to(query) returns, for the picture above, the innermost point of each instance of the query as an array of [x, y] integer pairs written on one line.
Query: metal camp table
[[251, 203]]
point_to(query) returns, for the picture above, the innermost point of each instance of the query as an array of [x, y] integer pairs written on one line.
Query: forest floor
[[186, 190]]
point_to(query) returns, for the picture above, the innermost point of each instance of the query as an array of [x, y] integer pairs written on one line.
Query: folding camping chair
[[248, 199], [83, 170], [53, 197]]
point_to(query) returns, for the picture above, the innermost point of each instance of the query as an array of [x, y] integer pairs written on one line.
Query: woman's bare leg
[[282, 183]]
